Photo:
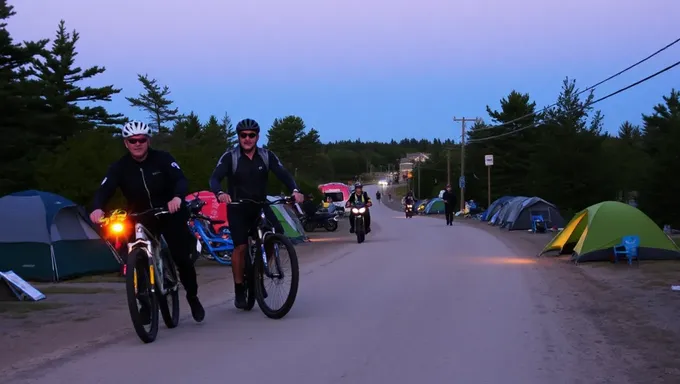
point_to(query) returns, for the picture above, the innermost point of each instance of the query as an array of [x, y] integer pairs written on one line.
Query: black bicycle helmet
[[247, 125], [358, 185]]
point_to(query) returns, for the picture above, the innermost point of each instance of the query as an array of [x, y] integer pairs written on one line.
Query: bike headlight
[[354, 210], [362, 210], [409, 206], [117, 228]]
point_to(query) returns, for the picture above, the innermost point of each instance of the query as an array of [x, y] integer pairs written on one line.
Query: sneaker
[[240, 296], [197, 310]]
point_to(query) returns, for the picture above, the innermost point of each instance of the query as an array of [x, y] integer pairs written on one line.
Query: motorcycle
[[358, 211], [409, 210], [329, 221]]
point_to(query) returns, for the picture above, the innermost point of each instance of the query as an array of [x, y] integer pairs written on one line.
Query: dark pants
[[449, 212], [176, 233], [367, 219], [243, 218]]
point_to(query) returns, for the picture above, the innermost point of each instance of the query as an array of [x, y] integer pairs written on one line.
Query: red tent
[[212, 209]]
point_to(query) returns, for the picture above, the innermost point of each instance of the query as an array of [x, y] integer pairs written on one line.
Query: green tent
[[292, 226], [46, 237], [593, 232]]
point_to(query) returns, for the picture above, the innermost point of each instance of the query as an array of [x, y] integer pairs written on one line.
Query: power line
[[585, 90], [588, 105]]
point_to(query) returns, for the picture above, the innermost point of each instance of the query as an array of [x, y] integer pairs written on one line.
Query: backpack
[[236, 154]]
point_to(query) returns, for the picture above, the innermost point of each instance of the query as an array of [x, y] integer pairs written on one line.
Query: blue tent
[[435, 205], [46, 237], [495, 207]]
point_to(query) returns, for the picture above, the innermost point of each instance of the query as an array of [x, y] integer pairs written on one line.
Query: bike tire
[[331, 226], [295, 279], [137, 261], [169, 312], [249, 278]]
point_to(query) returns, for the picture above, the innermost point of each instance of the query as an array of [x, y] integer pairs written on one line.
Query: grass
[[400, 190], [56, 290], [20, 309], [114, 277]]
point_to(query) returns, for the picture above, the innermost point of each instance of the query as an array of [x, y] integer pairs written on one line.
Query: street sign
[[461, 182], [488, 160]]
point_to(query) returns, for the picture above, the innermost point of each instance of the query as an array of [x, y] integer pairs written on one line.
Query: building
[[407, 163]]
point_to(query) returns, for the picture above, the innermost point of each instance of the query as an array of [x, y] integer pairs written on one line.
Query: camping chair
[[628, 247], [537, 224]]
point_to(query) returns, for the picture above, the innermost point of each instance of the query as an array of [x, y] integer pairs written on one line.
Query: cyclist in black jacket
[[151, 178], [246, 168]]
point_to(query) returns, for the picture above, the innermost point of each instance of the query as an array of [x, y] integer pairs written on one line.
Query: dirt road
[[418, 302]]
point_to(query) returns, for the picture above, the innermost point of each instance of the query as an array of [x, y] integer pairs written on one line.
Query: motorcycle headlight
[[354, 210], [409, 206], [362, 210]]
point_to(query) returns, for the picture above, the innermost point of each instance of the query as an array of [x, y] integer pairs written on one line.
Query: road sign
[[461, 182], [488, 160]]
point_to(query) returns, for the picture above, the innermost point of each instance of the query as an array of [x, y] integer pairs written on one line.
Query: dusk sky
[[369, 69]]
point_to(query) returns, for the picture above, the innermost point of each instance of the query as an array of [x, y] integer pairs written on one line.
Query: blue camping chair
[[629, 248], [537, 224]]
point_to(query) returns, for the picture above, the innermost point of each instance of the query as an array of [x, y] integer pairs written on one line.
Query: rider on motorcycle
[[308, 207], [362, 197], [150, 178], [409, 199]]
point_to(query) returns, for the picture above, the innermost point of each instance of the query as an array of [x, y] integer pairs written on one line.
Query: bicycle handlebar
[[285, 199]]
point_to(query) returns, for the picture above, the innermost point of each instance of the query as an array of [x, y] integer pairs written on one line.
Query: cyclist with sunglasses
[[150, 178], [246, 168]]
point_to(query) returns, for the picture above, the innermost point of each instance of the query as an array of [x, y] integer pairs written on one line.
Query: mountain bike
[[259, 264], [150, 275], [211, 244]]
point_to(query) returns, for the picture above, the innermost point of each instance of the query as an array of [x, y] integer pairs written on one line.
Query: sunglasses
[[135, 141], [249, 135]]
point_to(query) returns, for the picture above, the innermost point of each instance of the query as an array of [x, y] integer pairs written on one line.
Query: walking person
[[377, 196], [449, 204]]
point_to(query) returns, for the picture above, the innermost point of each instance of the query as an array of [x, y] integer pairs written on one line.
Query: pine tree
[[154, 100], [18, 114], [59, 79]]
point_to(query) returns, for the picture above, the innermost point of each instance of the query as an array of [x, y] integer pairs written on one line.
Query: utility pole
[[462, 158], [419, 195], [448, 166]]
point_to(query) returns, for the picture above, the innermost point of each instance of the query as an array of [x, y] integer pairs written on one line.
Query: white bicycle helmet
[[133, 128]]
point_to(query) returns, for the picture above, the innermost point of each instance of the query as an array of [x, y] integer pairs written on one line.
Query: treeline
[[58, 135], [565, 156]]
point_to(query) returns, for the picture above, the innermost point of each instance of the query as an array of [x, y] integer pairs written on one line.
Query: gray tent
[[44, 237], [508, 209], [520, 217]]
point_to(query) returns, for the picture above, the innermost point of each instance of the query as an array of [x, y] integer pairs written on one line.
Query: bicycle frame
[[205, 238], [145, 241]]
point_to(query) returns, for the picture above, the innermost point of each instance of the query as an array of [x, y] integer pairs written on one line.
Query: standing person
[[150, 178], [449, 203], [377, 196], [246, 168]]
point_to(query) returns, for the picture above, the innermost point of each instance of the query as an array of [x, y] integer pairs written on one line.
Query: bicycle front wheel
[[270, 280], [142, 302]]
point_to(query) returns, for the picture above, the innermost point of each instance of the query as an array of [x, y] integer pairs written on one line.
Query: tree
[[154, 100], [661, 135], [229, 131], [512, 152], [296, 148], [19, 102], [64, 96]]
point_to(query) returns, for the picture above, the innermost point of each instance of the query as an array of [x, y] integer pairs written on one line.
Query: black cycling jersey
[[151, 183], [249, 181]]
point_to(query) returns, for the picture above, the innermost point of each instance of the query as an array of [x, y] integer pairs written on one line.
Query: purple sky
[[374, 69]]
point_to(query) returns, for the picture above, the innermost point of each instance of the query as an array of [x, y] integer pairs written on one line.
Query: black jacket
[[251, 176], [151, 183], [449, 197]]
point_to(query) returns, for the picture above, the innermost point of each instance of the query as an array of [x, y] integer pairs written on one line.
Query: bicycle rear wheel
[[138, 288], [276, 268]]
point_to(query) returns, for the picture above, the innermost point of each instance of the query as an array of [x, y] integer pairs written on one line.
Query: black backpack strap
[[264, 154]]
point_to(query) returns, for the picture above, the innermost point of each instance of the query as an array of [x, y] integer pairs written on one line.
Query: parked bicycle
[[260, 264], [211, 244], [150, 274]]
